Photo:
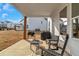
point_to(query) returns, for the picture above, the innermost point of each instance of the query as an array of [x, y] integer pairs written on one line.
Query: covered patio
[[51, 10]]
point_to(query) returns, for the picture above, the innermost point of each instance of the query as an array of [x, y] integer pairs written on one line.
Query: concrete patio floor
[[21, 48]]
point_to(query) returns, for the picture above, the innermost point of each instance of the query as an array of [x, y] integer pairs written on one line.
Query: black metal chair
[[53, 42], [50, 39], [49, 52]]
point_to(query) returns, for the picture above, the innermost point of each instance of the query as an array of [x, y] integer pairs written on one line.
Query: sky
[[10, 13]]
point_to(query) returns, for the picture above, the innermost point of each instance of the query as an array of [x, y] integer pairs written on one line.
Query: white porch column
[[69, 27], [69, 16]]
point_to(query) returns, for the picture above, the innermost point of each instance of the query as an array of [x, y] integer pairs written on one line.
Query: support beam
[[25, 21]]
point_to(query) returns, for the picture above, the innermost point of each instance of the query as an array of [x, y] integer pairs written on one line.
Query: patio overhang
[[37, 9]]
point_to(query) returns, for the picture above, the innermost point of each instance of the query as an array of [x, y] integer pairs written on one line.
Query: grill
[[45, 35]]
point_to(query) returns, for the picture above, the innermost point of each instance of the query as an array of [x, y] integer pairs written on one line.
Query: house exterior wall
[[73, 43], [37, 23], [19, 27], [10, 25], [56, 25]]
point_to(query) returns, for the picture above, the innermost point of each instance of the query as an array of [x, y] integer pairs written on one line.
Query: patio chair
[[35, 43], [53, 42], [50, 39], [50, 52], [31, 33]]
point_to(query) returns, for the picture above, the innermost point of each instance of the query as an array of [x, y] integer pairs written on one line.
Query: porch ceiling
[[37, 9]]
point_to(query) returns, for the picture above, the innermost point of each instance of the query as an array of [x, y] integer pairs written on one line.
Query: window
[[63, 26], [75, 27]]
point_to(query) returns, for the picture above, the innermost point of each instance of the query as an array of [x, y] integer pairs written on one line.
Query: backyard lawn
[[9, 37]]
